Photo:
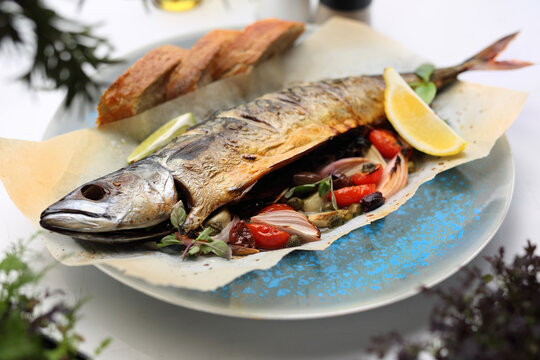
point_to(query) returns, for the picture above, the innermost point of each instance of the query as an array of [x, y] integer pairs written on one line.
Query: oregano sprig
[[202, 245]]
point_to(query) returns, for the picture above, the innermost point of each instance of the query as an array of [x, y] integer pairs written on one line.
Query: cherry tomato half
[[275, 207], [385, 142], [371, 177], [267, 237], [353, 194]]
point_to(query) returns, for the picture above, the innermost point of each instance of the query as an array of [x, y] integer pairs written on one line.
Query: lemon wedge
[[162, 136], [415, 121]]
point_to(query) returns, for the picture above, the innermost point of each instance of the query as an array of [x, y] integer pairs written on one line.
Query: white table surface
[[145, 328]]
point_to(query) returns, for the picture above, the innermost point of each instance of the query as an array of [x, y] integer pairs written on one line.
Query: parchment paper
[[38, 174]]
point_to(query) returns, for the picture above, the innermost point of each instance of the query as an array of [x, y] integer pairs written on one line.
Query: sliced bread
[[142, 86]]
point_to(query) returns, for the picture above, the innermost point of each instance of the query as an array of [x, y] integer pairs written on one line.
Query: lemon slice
[[162, 136], [415, 121]]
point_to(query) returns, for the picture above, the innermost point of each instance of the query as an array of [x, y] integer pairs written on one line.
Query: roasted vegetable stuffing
[[325, 195]]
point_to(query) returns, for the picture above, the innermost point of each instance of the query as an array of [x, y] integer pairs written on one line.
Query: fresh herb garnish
[[425, 89], [489, 316], [323, 186], [202, 245], [425, 71], [301, 189], [168, 240], [178, 215], [427, 92], [327, 185]]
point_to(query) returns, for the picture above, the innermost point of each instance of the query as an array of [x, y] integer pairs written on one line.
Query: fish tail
[[485, 59]]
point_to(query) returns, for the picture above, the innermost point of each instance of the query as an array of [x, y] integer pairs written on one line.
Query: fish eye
[[93, 192]]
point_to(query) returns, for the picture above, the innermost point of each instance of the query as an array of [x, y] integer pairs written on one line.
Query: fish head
[[136, 197]]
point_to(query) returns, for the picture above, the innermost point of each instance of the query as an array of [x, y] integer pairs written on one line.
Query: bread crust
[[257, 42], [191, 72], [140, 87], [170, 71]]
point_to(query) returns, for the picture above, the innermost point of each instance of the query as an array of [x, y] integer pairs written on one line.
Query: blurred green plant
[[65, 53], [27, 315], [490, 316]]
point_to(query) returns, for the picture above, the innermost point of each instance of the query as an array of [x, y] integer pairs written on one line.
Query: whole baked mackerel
[[218, 161]]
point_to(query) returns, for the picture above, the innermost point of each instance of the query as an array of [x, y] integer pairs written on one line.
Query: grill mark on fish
[[258, 121], [193, 149]]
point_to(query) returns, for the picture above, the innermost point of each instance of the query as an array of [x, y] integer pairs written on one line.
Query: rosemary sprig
[[65, 52]]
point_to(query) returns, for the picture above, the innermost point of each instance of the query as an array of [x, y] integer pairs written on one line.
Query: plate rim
[[146, 288]]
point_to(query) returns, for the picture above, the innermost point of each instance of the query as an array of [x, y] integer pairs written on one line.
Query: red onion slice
[[346, 166], [291, 222], [394, 176]]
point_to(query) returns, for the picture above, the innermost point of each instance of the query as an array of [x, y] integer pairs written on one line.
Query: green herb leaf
[[424, 71], [415, 84], [224, 248], [102, 346], [205, 249], [194, 250], [178, 215], [205, 235], [204, 245], [301, 189], [426, 92], [325, 186], [218, 247], [168, 240]]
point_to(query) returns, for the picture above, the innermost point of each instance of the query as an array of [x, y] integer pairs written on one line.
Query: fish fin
[[501, 65], [485, 59]]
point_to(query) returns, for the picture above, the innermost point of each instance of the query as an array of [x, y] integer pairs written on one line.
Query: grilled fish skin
[[221, 159]]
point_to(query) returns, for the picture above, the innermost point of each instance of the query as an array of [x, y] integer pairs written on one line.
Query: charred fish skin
[[135, 197], [220, 160]]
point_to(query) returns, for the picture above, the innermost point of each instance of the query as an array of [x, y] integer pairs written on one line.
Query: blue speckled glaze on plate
[[447, 222]]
